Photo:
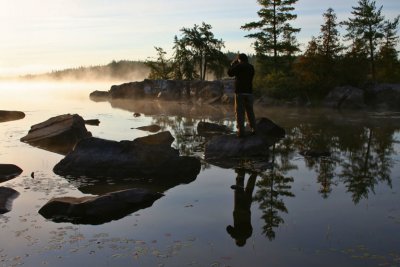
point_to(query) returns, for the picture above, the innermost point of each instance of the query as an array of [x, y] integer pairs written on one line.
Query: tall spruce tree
[[329, 39], [366, 26], [273, 28]]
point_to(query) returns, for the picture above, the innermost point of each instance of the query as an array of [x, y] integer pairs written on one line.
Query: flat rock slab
[[252, 145], [8, 172], [58, 134], [11, 115], [98, 209], [7, 195], [146, 157]]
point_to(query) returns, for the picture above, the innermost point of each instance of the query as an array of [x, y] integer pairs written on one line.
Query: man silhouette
[[243, 72], [242, 229]]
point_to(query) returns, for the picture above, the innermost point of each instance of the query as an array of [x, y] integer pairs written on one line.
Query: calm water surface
[[341, 210]]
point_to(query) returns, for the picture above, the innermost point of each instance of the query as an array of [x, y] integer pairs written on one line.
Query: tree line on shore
[[366, 54]]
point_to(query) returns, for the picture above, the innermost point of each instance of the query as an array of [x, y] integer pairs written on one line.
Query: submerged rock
[[11, 115], [8, 172], [150, 128], [146, 157], [98, 209], [7, 195], [385, 96], [252, 145], [208, 128], [58, 134], [94, 122]]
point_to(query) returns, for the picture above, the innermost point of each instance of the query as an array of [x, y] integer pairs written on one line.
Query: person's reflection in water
[[242, 229]]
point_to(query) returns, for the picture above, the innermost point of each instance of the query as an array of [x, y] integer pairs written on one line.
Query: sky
[[41, 36]]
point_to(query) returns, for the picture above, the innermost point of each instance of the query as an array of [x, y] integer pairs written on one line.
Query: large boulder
[[8, 172], [347, 97], [230, 146], [168, 89], [204, 91], [98, 209], [99, 96], [11, 115], [386, 96], [127, 90], [146, 157], [7, 195], [58, 134]]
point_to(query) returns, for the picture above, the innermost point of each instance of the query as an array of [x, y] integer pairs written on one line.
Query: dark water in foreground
[[341, 210]]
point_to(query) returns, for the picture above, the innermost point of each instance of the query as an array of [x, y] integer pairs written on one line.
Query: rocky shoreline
[[378, 96]]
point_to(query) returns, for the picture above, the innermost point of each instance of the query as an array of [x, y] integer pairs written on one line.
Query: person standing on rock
[[243, 72]]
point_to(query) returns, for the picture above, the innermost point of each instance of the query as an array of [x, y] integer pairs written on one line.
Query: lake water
[[339, 210]]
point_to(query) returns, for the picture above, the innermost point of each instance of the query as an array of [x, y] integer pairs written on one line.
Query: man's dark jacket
[[244, 73]]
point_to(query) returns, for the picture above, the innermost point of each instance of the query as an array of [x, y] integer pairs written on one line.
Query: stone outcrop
[[385, 96], [7, 195], [58, 134], [8, 172], [98, 209], [252, 145], [146, 157], [347, 97], [11, 115], [202, 91]]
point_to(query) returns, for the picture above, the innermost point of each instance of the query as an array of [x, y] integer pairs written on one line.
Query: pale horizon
[[60, 34]]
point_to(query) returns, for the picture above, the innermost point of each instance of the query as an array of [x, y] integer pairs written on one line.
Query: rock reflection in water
[[172, 108], [97, 186]]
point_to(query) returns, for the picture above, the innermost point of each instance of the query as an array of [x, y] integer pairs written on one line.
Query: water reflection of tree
[[361, 154], [368, 165], [184, 129], [322, 138], [272, 188]]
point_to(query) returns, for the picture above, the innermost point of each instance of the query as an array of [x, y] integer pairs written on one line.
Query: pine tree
[[272, 29], [330, 38], [198, 47], [161, 68], [366, 26]]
